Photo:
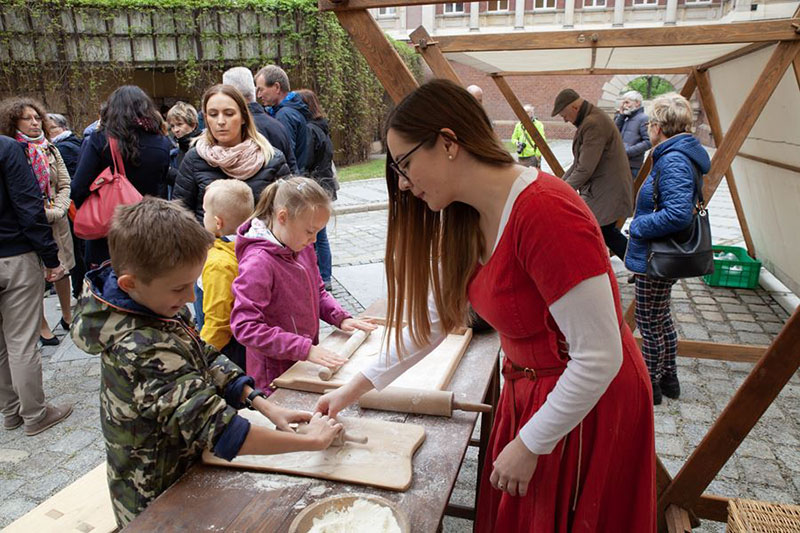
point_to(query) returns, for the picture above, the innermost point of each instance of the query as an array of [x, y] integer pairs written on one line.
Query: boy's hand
[[282, 416], [324, 357], [322, 429], [352, 324]]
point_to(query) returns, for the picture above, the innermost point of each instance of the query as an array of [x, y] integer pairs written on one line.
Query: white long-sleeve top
[[585, 315]]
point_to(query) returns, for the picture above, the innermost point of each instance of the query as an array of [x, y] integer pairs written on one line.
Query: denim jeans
[[324, 260]]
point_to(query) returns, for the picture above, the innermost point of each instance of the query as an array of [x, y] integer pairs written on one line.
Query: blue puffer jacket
[[673, 161]]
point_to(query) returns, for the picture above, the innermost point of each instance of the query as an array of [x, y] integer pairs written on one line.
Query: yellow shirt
[[220, 270]]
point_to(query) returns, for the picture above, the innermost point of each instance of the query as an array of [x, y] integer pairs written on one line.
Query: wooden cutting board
[[433, 372], [383, 462]]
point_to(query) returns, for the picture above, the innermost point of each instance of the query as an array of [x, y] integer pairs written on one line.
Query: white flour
[[362, 516]]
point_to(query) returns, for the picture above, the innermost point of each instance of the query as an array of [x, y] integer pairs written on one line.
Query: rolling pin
[[418, 401], [340, 439], [356, 339]]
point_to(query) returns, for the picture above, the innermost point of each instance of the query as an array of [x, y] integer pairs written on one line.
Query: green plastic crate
[[741, 274]]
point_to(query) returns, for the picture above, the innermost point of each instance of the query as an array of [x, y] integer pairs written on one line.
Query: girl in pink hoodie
[[279, 296]]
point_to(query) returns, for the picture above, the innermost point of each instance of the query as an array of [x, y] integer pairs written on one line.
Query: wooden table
[[217, 499]]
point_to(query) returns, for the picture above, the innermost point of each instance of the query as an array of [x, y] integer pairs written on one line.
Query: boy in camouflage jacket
[[165, 395]]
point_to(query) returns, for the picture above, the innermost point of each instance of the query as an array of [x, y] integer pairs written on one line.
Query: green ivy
[[310, 45]]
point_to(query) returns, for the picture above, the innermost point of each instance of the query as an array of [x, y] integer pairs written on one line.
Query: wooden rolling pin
[[356, 339], [418, 401], [340, 439]]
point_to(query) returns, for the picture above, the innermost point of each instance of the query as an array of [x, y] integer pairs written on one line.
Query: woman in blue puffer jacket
[[677, 155]]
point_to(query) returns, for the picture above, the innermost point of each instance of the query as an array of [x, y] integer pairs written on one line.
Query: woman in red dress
[[572, 447]]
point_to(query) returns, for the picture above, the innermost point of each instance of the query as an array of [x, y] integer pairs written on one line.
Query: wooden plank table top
[[217, 499]]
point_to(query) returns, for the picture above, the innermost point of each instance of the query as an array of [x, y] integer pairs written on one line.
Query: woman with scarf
[[23, 119], [131, 118], [230, 147]]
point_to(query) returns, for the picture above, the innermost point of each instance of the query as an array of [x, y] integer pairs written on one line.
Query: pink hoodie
[[279, 299]]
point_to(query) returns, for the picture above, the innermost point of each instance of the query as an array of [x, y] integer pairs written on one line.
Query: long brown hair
[[420, 242], [249, 130]]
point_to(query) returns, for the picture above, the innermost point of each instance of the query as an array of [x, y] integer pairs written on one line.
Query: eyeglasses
[[395, 165]]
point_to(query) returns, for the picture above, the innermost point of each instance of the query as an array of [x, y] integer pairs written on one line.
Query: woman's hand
[[514, 468], [322, 429], [282, 416], [327, 358], [352, 324]]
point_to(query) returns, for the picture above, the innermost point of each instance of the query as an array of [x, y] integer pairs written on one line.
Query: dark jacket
[[600, 171], [70, 149], [177, 153], [196, 174], [633, 129], [320, 163], [149, 177], [23, 225], [293, 113], [275, 133], [674, 161]]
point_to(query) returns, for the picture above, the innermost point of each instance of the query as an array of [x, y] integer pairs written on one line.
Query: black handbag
[[686, 253]]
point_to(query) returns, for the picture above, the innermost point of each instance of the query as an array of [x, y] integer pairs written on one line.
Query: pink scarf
[[241, 162], [36, 149]]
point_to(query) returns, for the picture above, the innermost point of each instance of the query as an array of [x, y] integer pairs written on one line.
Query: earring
[[450, 157]]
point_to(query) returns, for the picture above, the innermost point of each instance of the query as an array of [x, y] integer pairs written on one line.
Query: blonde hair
[[155, 236], [295, 194], [231, 198], [673, 113], [420, 241], [249, 130], [183, 112]]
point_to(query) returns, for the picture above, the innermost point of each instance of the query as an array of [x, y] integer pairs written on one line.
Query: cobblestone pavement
[[766, 466]]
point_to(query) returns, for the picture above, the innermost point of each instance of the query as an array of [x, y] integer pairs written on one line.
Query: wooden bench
[[81, 507]]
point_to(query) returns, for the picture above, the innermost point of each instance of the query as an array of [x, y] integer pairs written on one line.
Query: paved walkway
[[767, 466]]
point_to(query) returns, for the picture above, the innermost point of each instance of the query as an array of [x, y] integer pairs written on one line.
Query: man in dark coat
[[271, 128], [273, 90], [631, 121], [600, 170]]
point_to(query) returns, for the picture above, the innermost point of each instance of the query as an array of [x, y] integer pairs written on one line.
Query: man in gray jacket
[[600, 170], [631, 121]]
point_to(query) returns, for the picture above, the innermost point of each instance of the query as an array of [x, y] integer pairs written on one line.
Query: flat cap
[[564, 98]]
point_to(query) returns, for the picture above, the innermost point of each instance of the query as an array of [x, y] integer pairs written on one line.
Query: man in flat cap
[[600, 170]]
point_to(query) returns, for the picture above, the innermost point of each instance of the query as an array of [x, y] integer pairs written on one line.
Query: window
[[543, 4], [497, 5], [387, 12], [645, 2], [695, 2], [457, 7], [594, 3]]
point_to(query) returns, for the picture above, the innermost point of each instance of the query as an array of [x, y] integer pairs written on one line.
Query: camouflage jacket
[[162, 394]]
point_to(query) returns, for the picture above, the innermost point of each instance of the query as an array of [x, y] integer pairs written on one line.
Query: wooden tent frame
[[681, 500]]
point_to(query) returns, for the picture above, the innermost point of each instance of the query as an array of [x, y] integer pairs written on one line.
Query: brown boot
[[12, 422], [53, 415]]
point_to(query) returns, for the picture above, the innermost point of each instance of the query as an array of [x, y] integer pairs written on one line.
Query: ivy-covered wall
[[72, 53]]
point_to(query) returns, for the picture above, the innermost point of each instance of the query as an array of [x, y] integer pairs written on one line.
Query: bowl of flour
[[351, 513]]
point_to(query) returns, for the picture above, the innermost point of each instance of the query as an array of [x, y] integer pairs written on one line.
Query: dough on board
[[362, 516]]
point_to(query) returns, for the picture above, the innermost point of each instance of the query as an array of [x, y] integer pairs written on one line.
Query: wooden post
[[383, 59], [748, 114], [433, 56], [796, 65], [710, 105], [756, 394], [536, 137]]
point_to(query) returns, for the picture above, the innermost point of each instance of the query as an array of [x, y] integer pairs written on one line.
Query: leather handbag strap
[[116, 157], [698, 189]]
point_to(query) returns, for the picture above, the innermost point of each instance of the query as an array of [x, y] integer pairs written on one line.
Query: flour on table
[[362, 516]]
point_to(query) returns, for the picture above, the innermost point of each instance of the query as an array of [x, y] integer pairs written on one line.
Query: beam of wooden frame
[[770, 162], [748, 114], [678, 520], [687, 91], [796, 65], [742, 32], [736, 54], [379, 53], [536, 137], [741, 353], [710, 105], [434, 57], [597, 71], [753, 398]]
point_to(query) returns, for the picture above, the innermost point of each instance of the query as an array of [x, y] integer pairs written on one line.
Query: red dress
[[601, 475]]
